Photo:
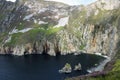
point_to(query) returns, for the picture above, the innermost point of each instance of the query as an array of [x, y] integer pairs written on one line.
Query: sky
[[11, 0], [74, 2], [70, 2]]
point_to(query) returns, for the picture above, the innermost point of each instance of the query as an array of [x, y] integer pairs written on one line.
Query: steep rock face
[[33, 26], [5, 14], [96, 26]]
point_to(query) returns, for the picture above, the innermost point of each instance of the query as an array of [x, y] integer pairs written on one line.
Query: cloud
[[74, 2], [11, 0], [70, 2]]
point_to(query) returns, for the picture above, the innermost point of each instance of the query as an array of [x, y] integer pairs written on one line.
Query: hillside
[[33, 26]]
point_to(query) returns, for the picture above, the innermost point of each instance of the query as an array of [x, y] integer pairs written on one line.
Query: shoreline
[[100, 67]]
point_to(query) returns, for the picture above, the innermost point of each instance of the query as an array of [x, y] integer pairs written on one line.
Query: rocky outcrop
[[66, 69], [78, 67]]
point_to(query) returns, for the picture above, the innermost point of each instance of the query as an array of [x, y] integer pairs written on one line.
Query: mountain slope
[[35, 26]]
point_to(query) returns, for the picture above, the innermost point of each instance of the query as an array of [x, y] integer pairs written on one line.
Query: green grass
[[67, 65], [82, 47], [43, 32], [99, 18], [15, 39], [2, 36], [32, 35], [111, 76], [53, 30], [116, 66], [21, 26]]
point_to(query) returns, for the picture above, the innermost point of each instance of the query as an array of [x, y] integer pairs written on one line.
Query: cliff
[[38, 26]]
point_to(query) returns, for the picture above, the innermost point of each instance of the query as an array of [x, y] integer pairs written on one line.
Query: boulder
[[66, 69], [78, 67]]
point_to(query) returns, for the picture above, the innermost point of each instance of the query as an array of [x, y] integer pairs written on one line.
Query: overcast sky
[[75, 2], [11, 0], [70, 2]]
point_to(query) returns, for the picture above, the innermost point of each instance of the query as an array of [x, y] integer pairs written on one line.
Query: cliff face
[[38, 26], [98, 26]]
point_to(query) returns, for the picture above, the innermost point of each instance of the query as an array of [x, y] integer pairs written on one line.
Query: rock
[[77, 53], [18, 50], [85, 29], [96, 64], [66, 69], [78, 67]]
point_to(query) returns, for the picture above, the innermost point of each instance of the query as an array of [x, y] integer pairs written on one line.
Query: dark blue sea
[[43, 67]]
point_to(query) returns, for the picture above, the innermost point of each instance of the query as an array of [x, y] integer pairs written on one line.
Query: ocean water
[[43, 67]]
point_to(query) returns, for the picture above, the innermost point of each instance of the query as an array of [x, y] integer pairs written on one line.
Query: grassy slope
[[35, 34]]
